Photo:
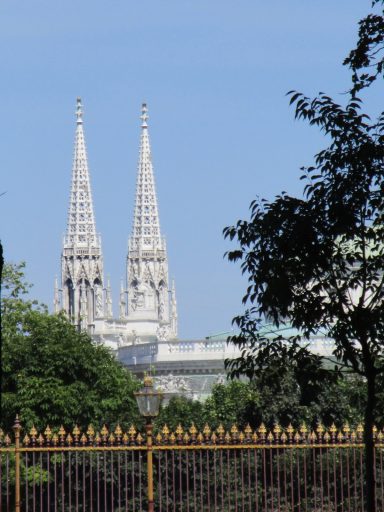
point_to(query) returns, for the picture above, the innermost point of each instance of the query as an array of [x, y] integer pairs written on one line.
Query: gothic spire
[[81, 259], [148, 305], [81, 227], [146, 225]]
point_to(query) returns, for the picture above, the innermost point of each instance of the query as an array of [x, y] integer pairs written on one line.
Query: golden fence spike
[[303, 429], [248, 430], [97, 438], [220, 430], [158, 438], [241, 437], [26, 440], [234, 429], [165, 431], [276, 430], [69, 439], [206, 431], [340, 437], [125, 438], [139, 438], [55, 439], [7, 440], [83, 439], [40, 440], [90, 431], [353, 436], [262, 429], [320, 430], [297, 438], [118, 431], [270, 437], [333, 429], [76, 431], [193, 430], [172, 438], [111, 438], [132, 431], [290, 430], [346, 428], [380, 436], [284, 438], [179, 430], [186, 438], [313, 437], [200, 438], [33, 432], [254, 437], [104, 431], [62, 431], [359, 431], [327, 437], [227, 437], [48, 433]]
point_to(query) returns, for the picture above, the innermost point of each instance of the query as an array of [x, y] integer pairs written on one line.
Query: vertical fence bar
[[214, 474], [149, 428], [16, 430]]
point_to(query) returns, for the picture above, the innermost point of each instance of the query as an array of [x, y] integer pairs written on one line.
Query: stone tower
[[150, 308], [82, 295]]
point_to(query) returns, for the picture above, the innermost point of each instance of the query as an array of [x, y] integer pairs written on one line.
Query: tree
[[1, 330], [367, 60], [52, 374], [316, 263]]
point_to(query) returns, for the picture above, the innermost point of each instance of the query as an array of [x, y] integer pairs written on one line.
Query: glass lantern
[[148, 399]]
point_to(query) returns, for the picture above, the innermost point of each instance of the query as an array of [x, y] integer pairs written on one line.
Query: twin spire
[[81, 227], [147, 305]]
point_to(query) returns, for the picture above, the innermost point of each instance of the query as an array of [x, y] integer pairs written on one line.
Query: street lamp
[[148, 400]]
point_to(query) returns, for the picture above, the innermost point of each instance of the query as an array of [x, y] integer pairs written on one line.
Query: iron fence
[[283, 470]]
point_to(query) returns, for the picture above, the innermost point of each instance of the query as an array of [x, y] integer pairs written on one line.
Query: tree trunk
[[1, 335], [370, 484]]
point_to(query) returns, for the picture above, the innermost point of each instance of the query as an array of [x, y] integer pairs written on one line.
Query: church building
[[147, 305], [144, 334]]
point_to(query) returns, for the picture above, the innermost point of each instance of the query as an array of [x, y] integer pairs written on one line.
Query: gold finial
[[148, 381], [144, 115]]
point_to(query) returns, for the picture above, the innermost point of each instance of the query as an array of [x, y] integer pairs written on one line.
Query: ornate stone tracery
[[82, 295], [147, 264], [147, 305]]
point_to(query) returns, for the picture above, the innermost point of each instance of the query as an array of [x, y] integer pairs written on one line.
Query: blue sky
[[214, 74]]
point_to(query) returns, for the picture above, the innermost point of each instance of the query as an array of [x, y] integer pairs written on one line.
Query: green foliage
[[367, 60], [316, 262], [234, 403], [282, 401], [183, 411], [52, 374]]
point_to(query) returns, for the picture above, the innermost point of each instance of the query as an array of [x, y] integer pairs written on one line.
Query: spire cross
[[79, 111], [144, 115]]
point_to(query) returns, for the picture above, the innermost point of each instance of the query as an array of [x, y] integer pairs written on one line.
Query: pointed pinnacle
[[144, 115], [79, 111]]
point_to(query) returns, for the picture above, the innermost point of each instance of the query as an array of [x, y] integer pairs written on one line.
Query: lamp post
[[148, 401]]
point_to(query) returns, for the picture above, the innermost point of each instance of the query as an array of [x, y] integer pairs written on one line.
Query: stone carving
[[162, 333], [220, 379], [98, 301], [173, 384], [135, 338]]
